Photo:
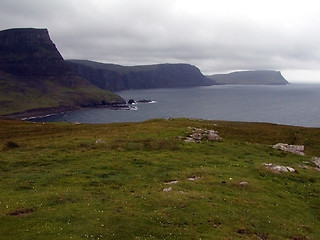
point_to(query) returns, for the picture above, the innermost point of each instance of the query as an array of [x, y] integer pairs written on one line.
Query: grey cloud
[[212, 36]]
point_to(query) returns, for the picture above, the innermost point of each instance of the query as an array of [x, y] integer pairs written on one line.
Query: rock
[[243, 183], [189, 140], [145, 101], [100, 141], [171, 182], [316, 161], [296, 149], [196, 136], [131, 101], [199, 134], [193, 178], [213, 135], [278, 168], [197, 130], [167, 189]]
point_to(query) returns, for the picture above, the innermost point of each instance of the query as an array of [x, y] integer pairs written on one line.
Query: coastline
[[38, 113], [50, 111]]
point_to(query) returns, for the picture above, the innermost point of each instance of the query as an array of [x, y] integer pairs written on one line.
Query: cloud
[[216, 36]]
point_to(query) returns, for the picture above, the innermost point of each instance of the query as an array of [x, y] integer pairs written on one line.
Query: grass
[[46, 94], [58, 182]]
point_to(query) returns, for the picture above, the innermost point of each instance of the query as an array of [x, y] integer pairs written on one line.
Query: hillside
[[34, 76], [260, 77], [116, 77], [145, 181]]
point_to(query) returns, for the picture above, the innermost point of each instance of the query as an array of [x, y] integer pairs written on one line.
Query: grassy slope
[[74, 188], [19, 96]]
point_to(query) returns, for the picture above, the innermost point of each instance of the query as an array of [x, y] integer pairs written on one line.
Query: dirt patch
[[22, 212]]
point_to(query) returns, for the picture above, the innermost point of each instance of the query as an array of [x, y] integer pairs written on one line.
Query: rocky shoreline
[[45, 112]]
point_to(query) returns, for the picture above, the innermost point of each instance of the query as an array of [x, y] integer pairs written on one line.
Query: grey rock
[[171, 182], [316, 161], [167, 189], [296, 149], [243, 183], [196, 136], [213, 135], [278, 168]]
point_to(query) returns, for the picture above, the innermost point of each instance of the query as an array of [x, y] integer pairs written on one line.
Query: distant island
[[260, 77], [116, 77]]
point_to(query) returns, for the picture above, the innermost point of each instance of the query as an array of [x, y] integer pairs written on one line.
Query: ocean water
[[293, 104]]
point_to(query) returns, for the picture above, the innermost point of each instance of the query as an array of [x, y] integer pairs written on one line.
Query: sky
[[216, 36]]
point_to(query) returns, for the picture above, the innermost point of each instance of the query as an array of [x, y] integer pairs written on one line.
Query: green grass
[[19, 96], [56, 182]]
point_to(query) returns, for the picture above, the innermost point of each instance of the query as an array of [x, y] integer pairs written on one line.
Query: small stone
[[171, 182], [316, 161], [189, 140], [244, 183], [100, 141], [167, 189], [193, 178], [290, 169]]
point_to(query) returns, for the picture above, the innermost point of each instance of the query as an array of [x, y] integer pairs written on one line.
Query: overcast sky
[[216, 36]]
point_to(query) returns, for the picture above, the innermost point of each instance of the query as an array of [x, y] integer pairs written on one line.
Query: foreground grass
[[67, 181]]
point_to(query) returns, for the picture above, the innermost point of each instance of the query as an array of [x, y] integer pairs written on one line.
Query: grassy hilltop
[[78, 181]]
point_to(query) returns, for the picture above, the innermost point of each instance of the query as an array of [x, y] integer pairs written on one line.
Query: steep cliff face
[[117, 77], [34, 75], [260, 77], [30, 52]]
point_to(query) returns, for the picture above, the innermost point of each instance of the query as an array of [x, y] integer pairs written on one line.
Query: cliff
[[33, 75], [261, 77], [116, 77]]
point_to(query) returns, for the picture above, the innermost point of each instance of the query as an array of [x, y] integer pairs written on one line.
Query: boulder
[[296, 149], [199, 134], [196, 136], [131, 101], [278, 168], [213, 135]]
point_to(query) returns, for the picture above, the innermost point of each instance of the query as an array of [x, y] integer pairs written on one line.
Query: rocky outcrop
[[278, 168], [260, 77], [199, 135], [116, 77], [296, 149], [35, 79]]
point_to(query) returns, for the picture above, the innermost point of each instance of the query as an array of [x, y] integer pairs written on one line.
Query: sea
[[292, 104]]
